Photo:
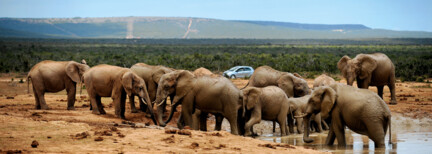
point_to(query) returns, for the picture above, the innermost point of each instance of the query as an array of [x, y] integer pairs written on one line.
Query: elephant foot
[[148, 115], [37, 107], [96, 112], [71, 108], [393, 102], [307, 140], [248, 133], [45, 108]]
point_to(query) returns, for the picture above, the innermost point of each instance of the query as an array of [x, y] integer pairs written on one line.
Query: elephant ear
[[72, 71], [328, 98], [366, 65], [251, 97], [286, 83], [127, 81], [342, 63], [157, 75], [184, 84]]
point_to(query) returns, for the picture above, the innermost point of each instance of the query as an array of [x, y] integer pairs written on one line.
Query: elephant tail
[[389, 125]]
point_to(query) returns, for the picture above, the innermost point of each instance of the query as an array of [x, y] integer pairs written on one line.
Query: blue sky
[[414, 15]]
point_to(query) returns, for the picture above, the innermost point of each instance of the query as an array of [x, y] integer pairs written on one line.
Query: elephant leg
[[71, 92], [290, 124], [339, 130], [132, 104], [196, 119], [274, 126], [95, 103], [100, 106], [376, 132], [325, 126], [37, 100], [119, 105], [180, 122], [203, 121], [282, 125], [187, 109], [232, 118], [254, 119], [42, 102], [330, 137], [392, 88], [318, 123], [219, 119], [380, 91]]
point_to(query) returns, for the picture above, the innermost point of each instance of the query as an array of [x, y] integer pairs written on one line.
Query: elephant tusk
[[161, 103], [143, 101], [301, 116]]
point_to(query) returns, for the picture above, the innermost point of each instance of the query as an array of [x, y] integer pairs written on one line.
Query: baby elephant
[[268, 103], [115, 82]]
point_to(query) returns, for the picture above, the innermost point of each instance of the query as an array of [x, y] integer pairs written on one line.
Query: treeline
[[411, 61]]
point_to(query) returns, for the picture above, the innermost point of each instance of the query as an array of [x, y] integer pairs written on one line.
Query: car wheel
[[232, 76]]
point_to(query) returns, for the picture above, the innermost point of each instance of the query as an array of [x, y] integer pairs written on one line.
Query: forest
[[412, 58]]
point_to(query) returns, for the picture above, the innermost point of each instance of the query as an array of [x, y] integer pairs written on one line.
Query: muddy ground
[[61, 130]]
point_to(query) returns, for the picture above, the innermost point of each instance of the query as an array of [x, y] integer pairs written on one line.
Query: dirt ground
[[60, 130]]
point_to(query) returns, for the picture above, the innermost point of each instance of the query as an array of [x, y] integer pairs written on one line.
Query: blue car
[[239, 72]]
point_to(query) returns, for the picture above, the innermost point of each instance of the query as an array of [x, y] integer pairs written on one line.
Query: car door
[[248, 72], [240, 73]]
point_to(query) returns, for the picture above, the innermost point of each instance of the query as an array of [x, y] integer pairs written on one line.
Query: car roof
[[241, 66]]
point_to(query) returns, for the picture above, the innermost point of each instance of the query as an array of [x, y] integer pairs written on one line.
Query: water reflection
[[414, 142]]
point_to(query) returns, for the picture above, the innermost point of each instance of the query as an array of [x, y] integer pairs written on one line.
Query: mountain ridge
[[188, 27]]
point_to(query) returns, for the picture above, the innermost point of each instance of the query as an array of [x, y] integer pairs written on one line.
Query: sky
[[412, 15]]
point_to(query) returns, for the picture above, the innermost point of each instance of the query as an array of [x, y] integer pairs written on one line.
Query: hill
[[179, 27]]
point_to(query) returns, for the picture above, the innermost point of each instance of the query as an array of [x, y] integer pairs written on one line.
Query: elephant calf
[[298, 107], [268, 103], [115, 82], [323, 80], [360, 110], [54, 76]]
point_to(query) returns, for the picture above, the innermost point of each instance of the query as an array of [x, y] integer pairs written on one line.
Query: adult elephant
[[292, 84], [361, 110], [115, 82], [216, 95], [54, 76], [370, 70], [268, 103], [151, 75]]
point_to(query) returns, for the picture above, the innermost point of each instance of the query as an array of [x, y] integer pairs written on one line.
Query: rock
[[10, 97], [81, 135], [48, 137], [170, 131], [184, 132], [194, 145], [13, 151], [97, 139], [34, 144]]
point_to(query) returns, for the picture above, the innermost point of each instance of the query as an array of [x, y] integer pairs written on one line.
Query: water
[[408, 136]]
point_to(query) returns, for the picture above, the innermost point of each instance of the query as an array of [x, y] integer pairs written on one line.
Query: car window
[[233, 69], [247, 69], [239, 70]]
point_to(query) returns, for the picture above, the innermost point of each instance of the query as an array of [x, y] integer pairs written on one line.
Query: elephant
[[116, 82], [216, 95], [323, 80], [268, 103], [370, 70], [203, 71], [54, 76], [297, 108], [361, 110], [292, 84], [151, 75]]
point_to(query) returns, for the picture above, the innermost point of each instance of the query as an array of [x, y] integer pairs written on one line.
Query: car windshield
[[233, 69]]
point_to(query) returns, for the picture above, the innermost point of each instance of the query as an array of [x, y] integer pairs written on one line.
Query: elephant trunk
[[173, 109], [306, 121], [150, 107]]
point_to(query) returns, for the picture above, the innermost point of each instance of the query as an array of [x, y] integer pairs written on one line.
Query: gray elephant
[[323, 80], [54, 76], [268, 103], [115, 82], [370, 70], [292, 84], [216, 95], [298, 107], [360, 110], [151, 75]]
